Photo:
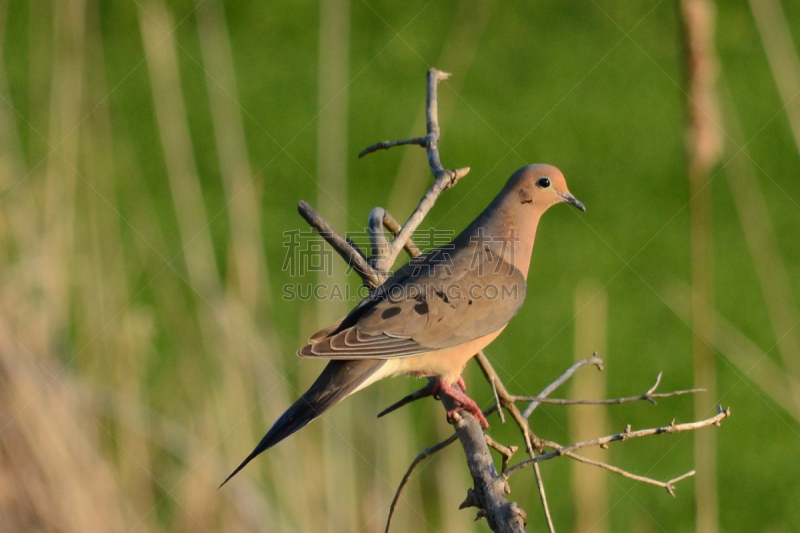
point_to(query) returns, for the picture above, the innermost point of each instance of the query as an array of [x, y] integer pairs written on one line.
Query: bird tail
[[337, 381]]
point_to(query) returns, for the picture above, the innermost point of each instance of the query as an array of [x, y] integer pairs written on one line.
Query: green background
[[167, 384]]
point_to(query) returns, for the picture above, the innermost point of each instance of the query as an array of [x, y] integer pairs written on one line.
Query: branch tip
[[438, 74], [470, 501]]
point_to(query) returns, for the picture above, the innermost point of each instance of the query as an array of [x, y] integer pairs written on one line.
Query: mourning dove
[[437, 311]]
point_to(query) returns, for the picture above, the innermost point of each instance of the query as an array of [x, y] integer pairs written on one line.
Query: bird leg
[[458, 395], [462, 383]]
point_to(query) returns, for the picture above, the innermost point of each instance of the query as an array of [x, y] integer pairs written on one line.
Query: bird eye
[[543, 182]]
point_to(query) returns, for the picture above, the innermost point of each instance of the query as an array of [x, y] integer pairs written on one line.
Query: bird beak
[[572, 200]]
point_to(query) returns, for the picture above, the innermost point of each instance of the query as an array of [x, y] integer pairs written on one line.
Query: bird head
[[542, 186]]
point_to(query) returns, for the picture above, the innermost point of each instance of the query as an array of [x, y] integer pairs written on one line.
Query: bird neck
[[507, 229]]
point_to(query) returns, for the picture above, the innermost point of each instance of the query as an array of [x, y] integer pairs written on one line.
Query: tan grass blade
[[162, 63], [782, 56], [242, 193], [754, 363], [338, 436], [590, 485], [759, 233]]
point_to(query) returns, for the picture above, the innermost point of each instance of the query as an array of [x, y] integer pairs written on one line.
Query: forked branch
[[649, 396], [628, 434], [352, 256], [444, 178]]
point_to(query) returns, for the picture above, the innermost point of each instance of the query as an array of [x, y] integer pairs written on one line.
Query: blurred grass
[[146, 180]]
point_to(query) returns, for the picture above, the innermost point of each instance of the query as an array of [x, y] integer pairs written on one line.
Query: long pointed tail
[[339, 379]]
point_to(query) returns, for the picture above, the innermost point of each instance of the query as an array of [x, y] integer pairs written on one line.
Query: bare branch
[[355, 247], [385, 145], [668, 485], [444, 178], [488, 495], [493, 382], [625, 435], [503, 398], [392, 225], [342, 247], [593, 360], [506, 451], [490, 488], [424, 454], [532, 442], [649, 396], [543, 497]]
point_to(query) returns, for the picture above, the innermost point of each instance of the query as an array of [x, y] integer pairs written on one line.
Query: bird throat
[[518, 237]]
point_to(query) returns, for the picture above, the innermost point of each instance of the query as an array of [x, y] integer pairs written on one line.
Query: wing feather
[[413, 312]]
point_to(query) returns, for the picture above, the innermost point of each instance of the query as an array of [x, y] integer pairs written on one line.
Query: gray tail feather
[[338, 380]]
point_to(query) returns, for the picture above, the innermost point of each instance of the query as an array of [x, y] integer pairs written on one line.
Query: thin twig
[[532, 442], [506, 451], [506, 401], [625, 435], [543, 497], [593, 360], [385, 145], [424, 454], [342, 247], [444, 178], [493, 383], [606, 401], [668, 485], [649, 396]]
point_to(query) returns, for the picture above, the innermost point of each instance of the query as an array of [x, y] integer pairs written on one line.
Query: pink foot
[[462, 383], [466, 402]]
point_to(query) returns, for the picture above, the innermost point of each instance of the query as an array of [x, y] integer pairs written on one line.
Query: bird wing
[[429, 304]]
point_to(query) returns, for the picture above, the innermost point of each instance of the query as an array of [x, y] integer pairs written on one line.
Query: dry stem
[[424, 454], [349, 253], [593, 360], [649, 396], [385, 145], [444, 178], [628, 434]]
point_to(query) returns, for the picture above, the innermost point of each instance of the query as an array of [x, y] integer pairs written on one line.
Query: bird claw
[[474, 411], [467, 403]]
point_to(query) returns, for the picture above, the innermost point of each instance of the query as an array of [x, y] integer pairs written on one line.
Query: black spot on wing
[[421, 308], [389, 313]]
